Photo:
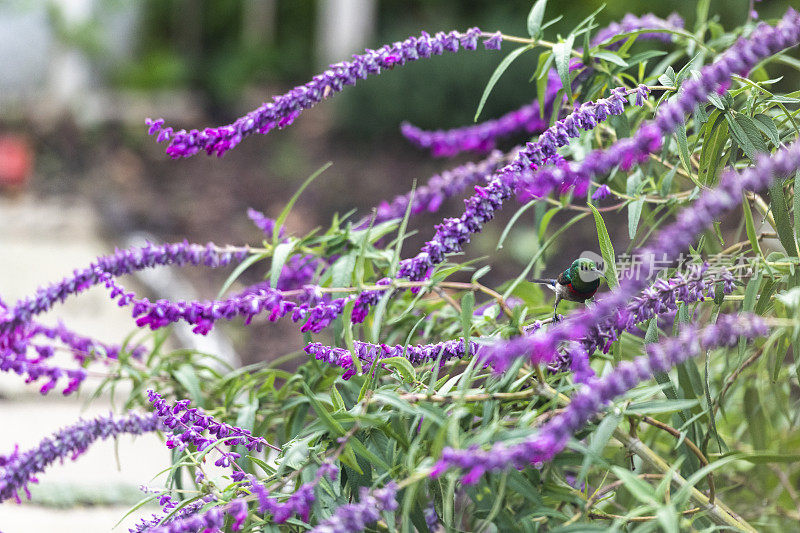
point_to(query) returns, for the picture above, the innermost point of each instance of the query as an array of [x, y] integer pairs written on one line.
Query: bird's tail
[[550, 282]]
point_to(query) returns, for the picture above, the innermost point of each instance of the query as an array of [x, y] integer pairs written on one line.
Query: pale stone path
[[41, 242]]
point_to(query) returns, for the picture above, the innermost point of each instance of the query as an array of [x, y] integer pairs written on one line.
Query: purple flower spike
[[482, 137], [602, 192], [542, 347], [188, 428], [554, 435], [632, 23], [494, 42], [429, 197], [20, 468], [370, 353], [354, 517], [282, 111], [740, 58], [480, 208], [120, 263]]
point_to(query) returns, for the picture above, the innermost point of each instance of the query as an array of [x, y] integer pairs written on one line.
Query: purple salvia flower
[[658, 300], [481, 137], [494, 42], [282, 111], [669, 242], [602, 192], [20, 468], [554, 435], [429, 197], [632, 23], [355, 517], [14, 359], [189, 509], [740, 58], [120, 263], [318, 312], [369, 353], [192, 423], [480, 208]]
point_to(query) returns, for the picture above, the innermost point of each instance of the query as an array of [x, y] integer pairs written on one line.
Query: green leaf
[[755, 418], [286, 210], [240, 268], [796, 204], [610, 57], [562, 52], [750, 227], [781, 213], [716, 135], [322, 412], [282, 252], [543, 68], [660, 406], [598, 442], [634, 213], [467, 308], [501, 68], [403, 366], [767, 126], [401, 232], [683, 149], [606, 249], [746, 134], [535, 17], [186, 375], [513, 221]]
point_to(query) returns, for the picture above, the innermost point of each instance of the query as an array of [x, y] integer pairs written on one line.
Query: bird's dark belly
[[575, 295]]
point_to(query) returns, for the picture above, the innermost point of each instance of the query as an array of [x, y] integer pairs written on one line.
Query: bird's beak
[[600, 273]]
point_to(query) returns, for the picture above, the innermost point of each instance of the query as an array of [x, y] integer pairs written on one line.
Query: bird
[[577, 283]]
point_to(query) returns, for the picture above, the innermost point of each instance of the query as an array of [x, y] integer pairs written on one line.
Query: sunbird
[[578, 283]]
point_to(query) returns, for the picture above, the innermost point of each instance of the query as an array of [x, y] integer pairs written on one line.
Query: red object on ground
[[16, 160]]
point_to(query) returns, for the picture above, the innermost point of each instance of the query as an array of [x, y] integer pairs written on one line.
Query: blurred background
[[79, 175]]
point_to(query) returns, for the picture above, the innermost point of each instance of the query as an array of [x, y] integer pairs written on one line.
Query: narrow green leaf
[[796, 204], [513, 221], [598, 442], [741, 136], [282, 252], [767, 126], [543, 68], [467, 308], [610, 57], [714, 140], [186, 375], [535, 17], [606, 249], [755, 418], [501, 68], [634, 214], [683, 148], [240, 268], [750, 227], [562, 52], [290, 204], [781, 213], [403, 366], [322, 412], [401, 232]]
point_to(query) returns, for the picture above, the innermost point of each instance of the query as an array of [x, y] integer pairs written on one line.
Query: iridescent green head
[[585, 273]]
